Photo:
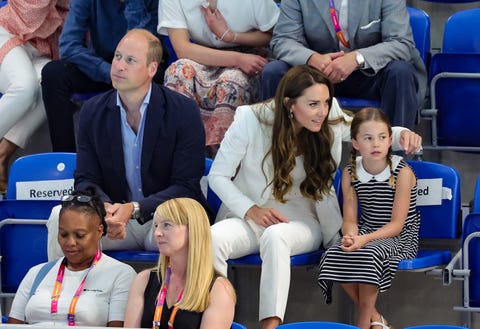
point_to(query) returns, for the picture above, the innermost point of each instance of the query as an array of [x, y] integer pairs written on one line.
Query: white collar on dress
[[364, 176]]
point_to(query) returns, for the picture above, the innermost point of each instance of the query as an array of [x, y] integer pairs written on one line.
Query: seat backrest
[[472, 225], [213, 200], [438, 199], [461, 32], [42, 176], [316, 325], [237, 325], [420, 23], [22, 246], [455, 94], [476, 197]]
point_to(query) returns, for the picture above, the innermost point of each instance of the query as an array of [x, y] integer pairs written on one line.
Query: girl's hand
[[356, 242], [347, 240]]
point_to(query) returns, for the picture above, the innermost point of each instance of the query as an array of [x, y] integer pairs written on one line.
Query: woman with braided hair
[[385, 232]]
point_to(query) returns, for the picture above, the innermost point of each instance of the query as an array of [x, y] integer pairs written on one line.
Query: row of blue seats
[[23, 246]]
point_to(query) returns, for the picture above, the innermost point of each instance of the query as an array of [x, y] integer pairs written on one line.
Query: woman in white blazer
[[274, 174]]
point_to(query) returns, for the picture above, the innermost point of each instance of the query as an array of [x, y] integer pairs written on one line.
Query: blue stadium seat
[[23, 239], [316, 325], [466, 265], [236, 325], [455, 86], [439, 221], [476, 197], [420, 23], [41, 176], [23, 234]]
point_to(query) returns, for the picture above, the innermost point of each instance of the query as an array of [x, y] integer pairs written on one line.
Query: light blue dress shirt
[[132, 148]]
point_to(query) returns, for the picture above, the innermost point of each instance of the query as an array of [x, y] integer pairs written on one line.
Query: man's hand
[[411, 142], [265, 216], [118, 215], [341, 67], [320, 62]]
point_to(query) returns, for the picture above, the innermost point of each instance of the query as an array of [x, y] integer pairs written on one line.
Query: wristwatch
[[360, 60], [136, 214]]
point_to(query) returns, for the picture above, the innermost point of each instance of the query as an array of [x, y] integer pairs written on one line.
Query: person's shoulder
[[100, 100], [263, 111]]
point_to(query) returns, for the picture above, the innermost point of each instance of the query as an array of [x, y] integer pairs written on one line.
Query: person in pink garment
[[29, 32]]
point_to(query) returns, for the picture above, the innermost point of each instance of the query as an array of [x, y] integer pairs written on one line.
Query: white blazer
[[244, 146]]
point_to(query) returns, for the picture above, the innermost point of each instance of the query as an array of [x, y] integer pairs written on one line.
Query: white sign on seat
[[430, 192], [44, 190]]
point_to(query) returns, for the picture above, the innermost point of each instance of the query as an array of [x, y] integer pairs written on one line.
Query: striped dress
[[376, 263]]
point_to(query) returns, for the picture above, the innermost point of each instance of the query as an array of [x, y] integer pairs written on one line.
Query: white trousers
[[21, 106], [235, 237], [139, 237]]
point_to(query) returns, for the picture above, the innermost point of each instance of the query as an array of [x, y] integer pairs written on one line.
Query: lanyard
[[157, 317], [336, 25], [57, 289]]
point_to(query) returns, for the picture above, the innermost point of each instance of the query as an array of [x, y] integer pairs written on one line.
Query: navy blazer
[[173, 154]]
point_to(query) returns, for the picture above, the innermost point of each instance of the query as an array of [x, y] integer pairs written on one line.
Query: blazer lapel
[[114, 135], [355, 12], [153, 127]]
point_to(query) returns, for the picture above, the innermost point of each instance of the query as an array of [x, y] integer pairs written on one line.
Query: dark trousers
[[61, 79], [395, 86]]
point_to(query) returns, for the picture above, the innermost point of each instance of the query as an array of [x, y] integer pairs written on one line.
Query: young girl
[[365, 261]]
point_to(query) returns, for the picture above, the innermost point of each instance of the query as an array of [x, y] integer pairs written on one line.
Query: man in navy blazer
[[138, 145], [377, 59]]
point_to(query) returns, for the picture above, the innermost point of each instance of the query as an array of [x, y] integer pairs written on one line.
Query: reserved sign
[[44, 190]]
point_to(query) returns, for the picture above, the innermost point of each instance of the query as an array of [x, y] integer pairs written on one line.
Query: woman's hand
[[215, 21], [251, 64], [411, 142], [265, 216]]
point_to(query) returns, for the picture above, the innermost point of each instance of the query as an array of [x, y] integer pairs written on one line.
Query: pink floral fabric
[[38, 22], [218, 91]]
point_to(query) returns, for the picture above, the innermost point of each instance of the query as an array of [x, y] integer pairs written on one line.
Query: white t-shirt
[[240, 15], [103, 299]]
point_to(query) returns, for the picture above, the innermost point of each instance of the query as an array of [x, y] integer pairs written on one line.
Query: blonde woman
[[184, 290]]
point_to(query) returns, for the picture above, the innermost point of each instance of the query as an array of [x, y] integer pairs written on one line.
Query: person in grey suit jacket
[[138, 145], [274, 173], [368, 52]]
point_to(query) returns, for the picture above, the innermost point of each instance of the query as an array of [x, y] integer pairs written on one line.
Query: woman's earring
[[290, 115]]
